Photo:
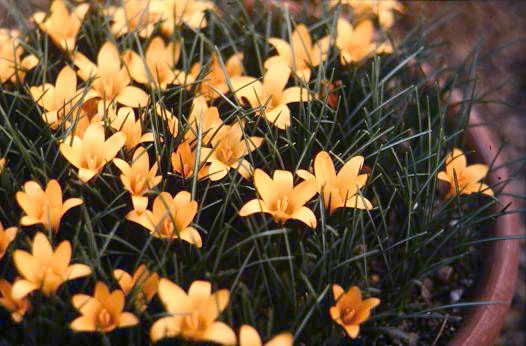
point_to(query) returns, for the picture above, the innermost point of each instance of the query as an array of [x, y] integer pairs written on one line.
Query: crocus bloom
[[339, 190], [44, 207], [11, 61], [125, 122], [176, 12], [45, 269], [354, 43], [383, 9], [6, 237], [17, 307], [138, 177], [193, 315], [183, 162], [102, 312], [91, 153], [143, 283], [203, 119], [281, 199], [229, 149], [170, 217], [249, 336], [463, 178], [157, 67], [61, 25], [112, 82], [58, 99], [215, 82], [300, 55], [350, 310], [133, 15], [272, 94]]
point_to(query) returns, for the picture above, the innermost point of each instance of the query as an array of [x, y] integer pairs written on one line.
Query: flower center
[[104, 319], [138, 185], [282, 204], [92, 162], [225, 153], [347, 315], [193, 324]]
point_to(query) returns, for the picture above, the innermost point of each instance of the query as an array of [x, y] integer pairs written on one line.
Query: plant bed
[[226, 176]]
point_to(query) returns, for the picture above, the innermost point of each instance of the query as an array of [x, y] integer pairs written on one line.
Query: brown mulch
[[491, 24]]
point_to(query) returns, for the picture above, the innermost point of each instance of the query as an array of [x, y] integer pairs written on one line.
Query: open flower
[[350, 310], [44, 207], [229, 149], [157, 67], [17, 307], [12, 65], [339, 190], [143, 283], [272, 94], [45, 269], [91, 153], [134, 15], [462, 178], [383, 9], [193, 316], [112, 82], [249, 336], [176, 12], [102, 312], [170, 217], [58, 99], [281, 199], [354, 43], [300, 55], [6, 237], [124, 121], [204, 120], [138, 177], [215, 82], [183, 162], [61, 25]]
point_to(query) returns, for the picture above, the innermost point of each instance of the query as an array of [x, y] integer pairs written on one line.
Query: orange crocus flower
[[45, 269], [134, 15], [61, 25], [12, 65], [143, 282], [176, 12], [183, 162], [44, 207], [138, 177], [193, 315], [91, 153], [103, 312], [17, 307], [281, 199], [170, 217], [6, 237], [339, 190], [464, 179], [124, 121], [249, 336], [350, 310]]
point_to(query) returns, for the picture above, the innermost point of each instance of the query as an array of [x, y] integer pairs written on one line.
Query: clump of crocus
[[281, 199], [45, 269], [175, 13], [61, 25], [12, 65], [193, 315], [229, 150], [249, 336], [354, 43], [44, 207], [350, 310], [134, 15], [103, 312], [157, 66], [271, 94], [184, 161], [58, 99], [464, 179], [112, 82], [143, 283], [138, 177], [6, 237], [170, 217], [339, 190], [17, 307], [91, 153], [124, 121], [300, 55]]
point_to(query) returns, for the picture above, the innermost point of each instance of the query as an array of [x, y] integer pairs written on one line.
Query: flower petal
[[295, 94], [77, 270], [174, 298], [132, 96], [21, 288], [127, 319], [306, 216], [83, 324], [166, 327], [254, 206], [221, 333]]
